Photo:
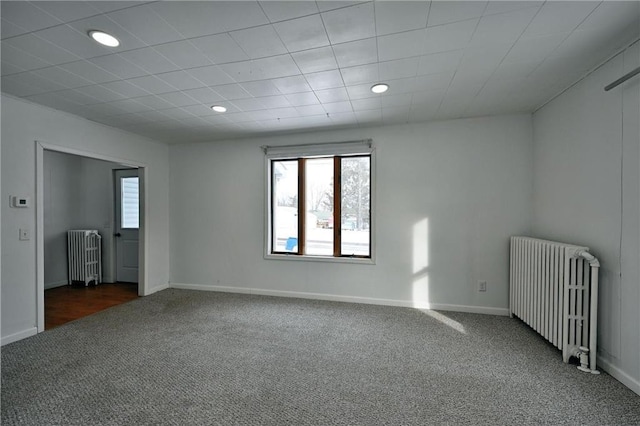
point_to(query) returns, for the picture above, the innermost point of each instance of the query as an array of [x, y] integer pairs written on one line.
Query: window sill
[[325, 259]]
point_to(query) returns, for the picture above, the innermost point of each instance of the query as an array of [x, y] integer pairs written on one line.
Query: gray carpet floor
[[182, 357]]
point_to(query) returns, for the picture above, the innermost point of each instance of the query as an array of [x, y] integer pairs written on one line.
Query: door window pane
[[356, 201], [130, 203], [319, 206], [285, 206]]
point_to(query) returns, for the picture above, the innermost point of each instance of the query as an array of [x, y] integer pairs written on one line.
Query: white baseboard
[[19, 336], [619, 375], [158, 288], [55, 284], [348, 299]]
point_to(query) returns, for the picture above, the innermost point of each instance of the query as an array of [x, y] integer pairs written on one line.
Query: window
[[319, 203], [129, 203]]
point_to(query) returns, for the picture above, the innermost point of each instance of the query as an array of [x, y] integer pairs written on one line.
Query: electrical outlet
[[482, 286]]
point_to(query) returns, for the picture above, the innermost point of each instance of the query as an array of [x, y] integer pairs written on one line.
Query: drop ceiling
[[291, 66]]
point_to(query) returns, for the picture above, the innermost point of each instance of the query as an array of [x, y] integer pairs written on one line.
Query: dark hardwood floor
[[68, 303]]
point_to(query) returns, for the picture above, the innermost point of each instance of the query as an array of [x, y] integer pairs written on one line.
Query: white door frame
[[143, 284]]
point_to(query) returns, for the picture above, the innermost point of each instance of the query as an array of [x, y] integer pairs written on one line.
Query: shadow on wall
[[420, 271]]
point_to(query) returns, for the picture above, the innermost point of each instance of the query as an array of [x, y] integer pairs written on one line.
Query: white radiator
[[85, 256], [554, 289]]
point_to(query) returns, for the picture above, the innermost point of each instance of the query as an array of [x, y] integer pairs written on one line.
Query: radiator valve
[[584, 361]]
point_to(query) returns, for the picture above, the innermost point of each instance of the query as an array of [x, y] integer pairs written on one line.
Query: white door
[[127, 224]]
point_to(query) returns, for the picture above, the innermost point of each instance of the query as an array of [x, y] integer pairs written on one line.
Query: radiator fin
[[84, 249]]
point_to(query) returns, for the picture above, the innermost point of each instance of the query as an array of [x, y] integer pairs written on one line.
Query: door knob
[[117, 234]]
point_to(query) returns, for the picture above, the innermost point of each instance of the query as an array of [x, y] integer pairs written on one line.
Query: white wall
[[471, 179], [78, 194], [22, 124], [586, 191]]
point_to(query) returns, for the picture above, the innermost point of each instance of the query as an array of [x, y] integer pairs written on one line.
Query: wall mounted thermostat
[[17, 201]]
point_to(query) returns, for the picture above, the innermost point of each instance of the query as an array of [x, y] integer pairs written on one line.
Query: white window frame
[[285, 152]]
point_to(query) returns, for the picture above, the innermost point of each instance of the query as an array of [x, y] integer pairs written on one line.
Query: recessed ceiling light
[[219, 108], [104, 38], [379, 88]]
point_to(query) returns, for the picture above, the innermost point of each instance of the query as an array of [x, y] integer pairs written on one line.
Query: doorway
[[127, 224], [88, 202]]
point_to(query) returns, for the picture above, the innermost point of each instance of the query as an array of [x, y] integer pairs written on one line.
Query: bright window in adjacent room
[[130, 203], [319, 206]]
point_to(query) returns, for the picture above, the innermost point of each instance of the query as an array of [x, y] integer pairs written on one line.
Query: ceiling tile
[[485, 56], [9, 29], [446, 12], [8, 68], [366, 104], [260, 88], [530, 49], [152, 84], [62, 77], [278, 101], [110, 6], [259, 42], [27, 84], [262, 69], [350, 23], [401, 68], [180, 80], [397, 100], [369, 117], [67, 10], [433, 81], [179, 99], [292, 84], [89, 71], [559, 17], [301, 99], [314, 60], [100, 93], [449, 37], [336, 107], [284, 10], [211, 75], [21, 59], [26, 15], [338, 94], [308, 110], [206, 18], [203, 95], [40, 48], [250, 104], [77, 97], [402, 45], [125, 88], [360, 74], [149, 60], [177, 113], [360, 52], [143, 22], [302, 33], [503, 28], [220, 48], [183, 54], [324, 6], [119, 66], [324, 80], [130, 106], [232, 91], [397, 16], [439, 62], [495, 7]]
